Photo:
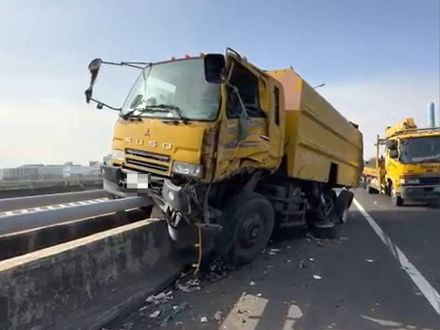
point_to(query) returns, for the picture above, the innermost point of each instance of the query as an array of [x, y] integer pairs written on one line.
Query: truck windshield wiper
[[142, 110], [158, 108], [174, 108]]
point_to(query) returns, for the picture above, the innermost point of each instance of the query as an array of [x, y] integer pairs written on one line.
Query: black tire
[[248, 222], [395, 199], [371, 190], [342, 204]]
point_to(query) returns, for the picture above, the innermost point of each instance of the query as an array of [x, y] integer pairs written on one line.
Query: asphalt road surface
[[378, 273]]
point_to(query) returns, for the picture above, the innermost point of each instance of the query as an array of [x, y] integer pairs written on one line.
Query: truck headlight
[[118, 155], [409, 181], [195, 170]]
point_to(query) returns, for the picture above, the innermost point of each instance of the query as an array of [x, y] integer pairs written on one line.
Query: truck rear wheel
[[248, 222]]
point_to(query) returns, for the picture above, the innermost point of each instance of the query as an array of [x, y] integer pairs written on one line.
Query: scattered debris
[[259, 294], [251, 283], [143, 308], [343, 238], [288, 261], [369, 260], [180, 307], [311, 259], [160, 298], [273, 252], [155, 314], [203, 319], [310, 236], [190, 286], [127, 325], [176, 309], [301, 264], [217, 270], [317, 277], [218, 316]]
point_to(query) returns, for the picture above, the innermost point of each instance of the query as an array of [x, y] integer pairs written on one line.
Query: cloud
[[382, 101]]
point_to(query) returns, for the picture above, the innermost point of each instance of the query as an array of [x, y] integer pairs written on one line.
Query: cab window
[[247, 85]]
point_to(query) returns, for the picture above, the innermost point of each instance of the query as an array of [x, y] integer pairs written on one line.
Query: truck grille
[[434, 180], [148, 155], [148, 161], [426, 181]]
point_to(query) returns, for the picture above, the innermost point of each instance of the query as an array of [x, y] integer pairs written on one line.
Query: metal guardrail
[[20, 222], [9, 204]]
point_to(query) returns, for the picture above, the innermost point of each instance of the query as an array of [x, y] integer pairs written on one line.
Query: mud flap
[[343, 203]]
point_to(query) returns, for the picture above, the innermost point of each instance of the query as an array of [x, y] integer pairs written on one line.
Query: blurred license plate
[[137, 181]]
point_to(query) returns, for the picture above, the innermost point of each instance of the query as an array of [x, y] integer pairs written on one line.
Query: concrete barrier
[[12, 245], [83, 284]]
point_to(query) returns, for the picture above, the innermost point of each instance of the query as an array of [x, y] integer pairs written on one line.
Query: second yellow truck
[[409, 168], [226, 147]]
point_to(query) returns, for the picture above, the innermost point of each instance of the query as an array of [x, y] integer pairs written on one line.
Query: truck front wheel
[[248, 222], [396, 200]]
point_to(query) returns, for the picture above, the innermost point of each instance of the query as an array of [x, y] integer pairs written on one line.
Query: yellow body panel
[[175, 141], [262, 148], [407, 124], [317, 135]]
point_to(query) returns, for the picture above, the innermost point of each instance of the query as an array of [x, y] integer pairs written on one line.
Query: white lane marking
[[424, 286]]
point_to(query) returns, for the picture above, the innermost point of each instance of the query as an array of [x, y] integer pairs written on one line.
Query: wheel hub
[[251, 230]]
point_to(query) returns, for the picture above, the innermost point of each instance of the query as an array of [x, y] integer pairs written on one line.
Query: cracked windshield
[[164, 88], [220, 165]]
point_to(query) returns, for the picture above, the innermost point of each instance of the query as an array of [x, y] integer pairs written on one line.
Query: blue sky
[[378, 58]]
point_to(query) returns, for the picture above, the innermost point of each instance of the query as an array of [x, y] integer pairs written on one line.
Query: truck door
[[243, 142]]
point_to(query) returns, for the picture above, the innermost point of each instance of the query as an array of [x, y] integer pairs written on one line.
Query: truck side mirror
[[94, 67], [393, 153], [214, 68], [391, 144]]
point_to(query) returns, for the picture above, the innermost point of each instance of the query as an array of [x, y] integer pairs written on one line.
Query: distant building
[[78, 171], [94, 163], [50, 172]]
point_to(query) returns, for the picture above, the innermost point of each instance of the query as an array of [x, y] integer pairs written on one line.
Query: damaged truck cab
[[218, 143]]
